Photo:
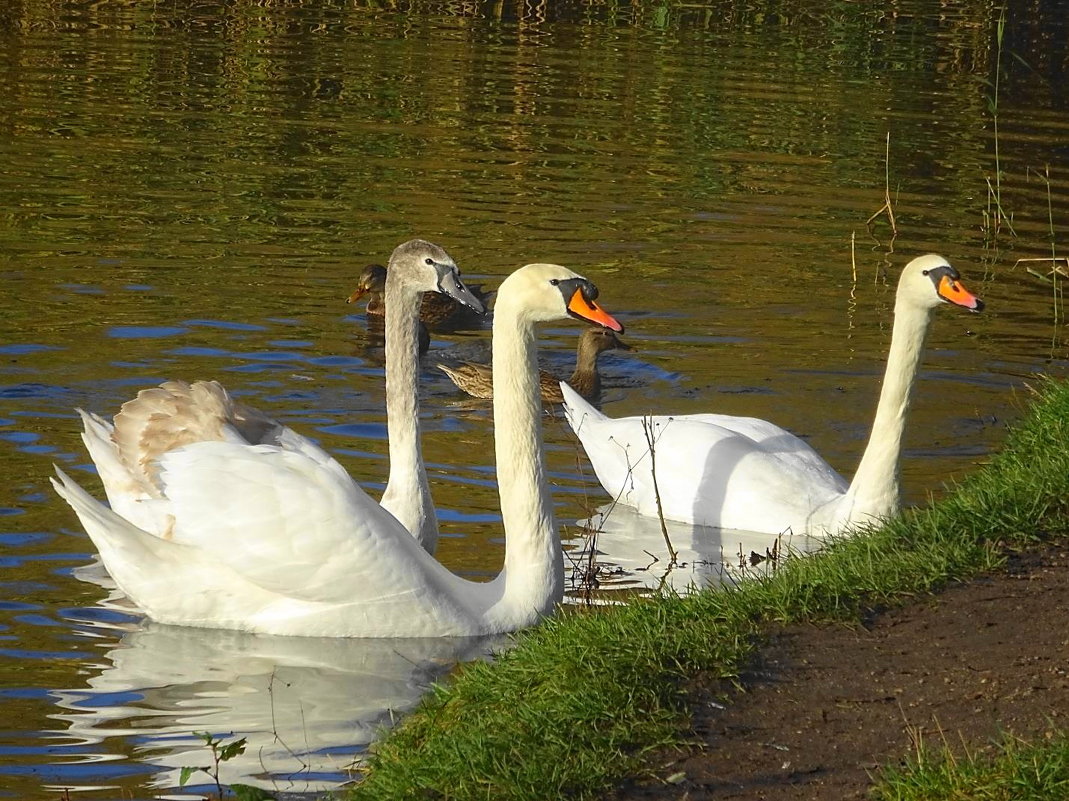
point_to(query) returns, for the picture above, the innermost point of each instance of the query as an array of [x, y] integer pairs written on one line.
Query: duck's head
[[603, 339], [544, 292], [372, 281], [930, 280]]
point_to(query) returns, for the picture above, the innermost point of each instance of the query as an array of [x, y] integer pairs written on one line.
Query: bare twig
[[1055, 269], [648, 430]]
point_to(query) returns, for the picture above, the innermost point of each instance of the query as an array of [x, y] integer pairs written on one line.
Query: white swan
[[282, 541], [744, 473]]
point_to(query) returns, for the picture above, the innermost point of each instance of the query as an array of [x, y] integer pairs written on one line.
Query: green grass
[[583, 697], [1017, 771]]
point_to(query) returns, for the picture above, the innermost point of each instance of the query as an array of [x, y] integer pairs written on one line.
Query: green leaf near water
[[185, 773], [232, 750]]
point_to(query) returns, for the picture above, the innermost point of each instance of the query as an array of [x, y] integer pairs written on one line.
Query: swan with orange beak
[[744, 473]]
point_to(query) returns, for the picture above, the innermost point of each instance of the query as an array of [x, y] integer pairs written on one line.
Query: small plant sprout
[[222, 753]]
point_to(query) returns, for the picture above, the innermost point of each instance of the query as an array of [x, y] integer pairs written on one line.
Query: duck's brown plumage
[[478, 379], [436, 310]]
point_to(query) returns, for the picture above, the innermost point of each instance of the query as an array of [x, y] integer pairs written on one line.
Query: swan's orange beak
[[954, 292], [588, 310], [358, 293]]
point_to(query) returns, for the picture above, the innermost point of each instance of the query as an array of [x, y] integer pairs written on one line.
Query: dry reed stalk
[[887, 207], [647, 429]]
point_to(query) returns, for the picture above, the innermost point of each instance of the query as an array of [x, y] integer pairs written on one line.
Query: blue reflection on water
[[144, 331], [32, 390], [226, 325], [24, 348]]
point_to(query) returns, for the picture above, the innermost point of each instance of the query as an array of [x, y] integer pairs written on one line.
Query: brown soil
[[823, 708]]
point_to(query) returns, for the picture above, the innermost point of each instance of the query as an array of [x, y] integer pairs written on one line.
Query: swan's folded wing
[[290, 523], [707, 473], [790, 450]]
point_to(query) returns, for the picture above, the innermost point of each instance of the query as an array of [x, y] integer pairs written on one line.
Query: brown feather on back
[[175, 414]]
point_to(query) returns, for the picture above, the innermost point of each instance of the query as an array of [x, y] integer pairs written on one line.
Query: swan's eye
[[925, 272], [430, 261], [554, 281]]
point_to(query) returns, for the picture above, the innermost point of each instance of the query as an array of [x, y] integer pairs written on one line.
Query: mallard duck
[[478, 380], [436, 310]]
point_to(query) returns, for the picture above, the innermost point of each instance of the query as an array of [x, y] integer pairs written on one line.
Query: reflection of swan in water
[[632, 554], [308, 706]]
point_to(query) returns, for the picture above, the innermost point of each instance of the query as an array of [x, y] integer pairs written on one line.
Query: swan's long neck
[[874, 491], [407, 496], [533, 575]]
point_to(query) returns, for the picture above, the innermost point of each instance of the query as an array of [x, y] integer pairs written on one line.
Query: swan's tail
[[97, 436], [103, 526], [119, 541], [157, 574], [577, 409]]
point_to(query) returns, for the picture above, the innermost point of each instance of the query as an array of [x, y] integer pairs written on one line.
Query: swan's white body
[[744, 473], [276, 538]]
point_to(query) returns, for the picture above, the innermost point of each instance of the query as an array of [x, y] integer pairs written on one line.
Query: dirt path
[[824, 707]]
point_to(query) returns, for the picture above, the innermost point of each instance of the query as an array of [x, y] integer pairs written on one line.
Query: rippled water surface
[[190, 192]]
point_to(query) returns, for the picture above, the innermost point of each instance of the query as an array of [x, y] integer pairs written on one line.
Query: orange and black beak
[[582, 305], [358, 293], [953, 291]]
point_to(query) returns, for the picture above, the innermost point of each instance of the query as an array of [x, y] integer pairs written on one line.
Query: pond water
[[190, 189]]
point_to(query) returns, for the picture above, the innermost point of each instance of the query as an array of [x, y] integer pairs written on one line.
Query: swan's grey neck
[[874, 491], [533, 576], [407, 496]]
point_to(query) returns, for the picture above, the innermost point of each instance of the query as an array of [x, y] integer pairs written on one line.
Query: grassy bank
[[584, 696], [1019, 771]]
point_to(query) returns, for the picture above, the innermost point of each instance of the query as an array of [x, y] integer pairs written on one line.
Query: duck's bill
[[953, 291], [579, 306], [357, 294], [449, 283]]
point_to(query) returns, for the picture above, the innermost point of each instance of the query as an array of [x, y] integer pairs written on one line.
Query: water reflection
[[624, 550], [307, 706]]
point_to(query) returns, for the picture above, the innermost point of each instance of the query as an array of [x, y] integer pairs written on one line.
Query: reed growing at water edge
[[583, 697], [994, 215]]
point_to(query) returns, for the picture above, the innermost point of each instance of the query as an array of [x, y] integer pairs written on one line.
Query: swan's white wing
[[334, 578], [159, 574], [790, 449], [292, 524], [709, 474]]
